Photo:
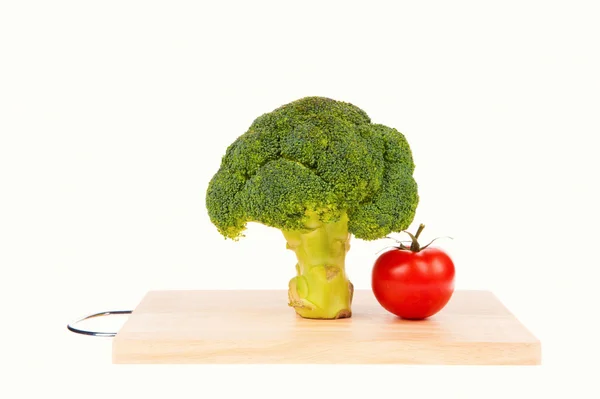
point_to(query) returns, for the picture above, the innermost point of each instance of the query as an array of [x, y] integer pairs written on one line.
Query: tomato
[[413, 283]]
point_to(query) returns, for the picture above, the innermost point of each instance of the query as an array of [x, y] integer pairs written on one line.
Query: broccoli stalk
[[321, 289], [318, 170]]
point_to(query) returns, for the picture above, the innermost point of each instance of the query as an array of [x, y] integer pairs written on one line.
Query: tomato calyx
[[414, 244]]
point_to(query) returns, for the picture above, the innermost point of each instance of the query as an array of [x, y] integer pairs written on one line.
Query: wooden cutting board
[[251, 326]]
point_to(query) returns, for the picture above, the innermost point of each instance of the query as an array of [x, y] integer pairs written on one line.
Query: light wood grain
[[258, 327]]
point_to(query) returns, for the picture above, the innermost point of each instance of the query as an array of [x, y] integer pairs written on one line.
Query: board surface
[[251, 326]]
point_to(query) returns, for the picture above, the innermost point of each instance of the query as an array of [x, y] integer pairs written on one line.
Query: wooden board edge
[[477, 354], [533, 337]]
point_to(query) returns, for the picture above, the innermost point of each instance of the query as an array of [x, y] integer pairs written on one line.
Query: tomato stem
[[419, 230], [415, 247]]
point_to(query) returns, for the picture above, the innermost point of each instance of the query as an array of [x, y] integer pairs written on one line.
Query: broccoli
[[320, 171]]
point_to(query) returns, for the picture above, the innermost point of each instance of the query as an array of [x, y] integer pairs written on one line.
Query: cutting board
[[252, 326]]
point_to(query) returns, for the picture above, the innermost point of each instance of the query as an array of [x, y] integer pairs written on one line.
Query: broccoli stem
[[321, 289]]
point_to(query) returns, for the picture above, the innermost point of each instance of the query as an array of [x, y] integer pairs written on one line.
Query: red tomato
[[413, 285]]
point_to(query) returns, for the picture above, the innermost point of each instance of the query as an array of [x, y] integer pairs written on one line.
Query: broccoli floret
[[316, 164]]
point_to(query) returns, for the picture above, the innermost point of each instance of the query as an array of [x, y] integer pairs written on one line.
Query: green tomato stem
[[419, 230]]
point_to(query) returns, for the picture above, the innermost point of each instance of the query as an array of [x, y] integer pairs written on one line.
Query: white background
[[114, 115]]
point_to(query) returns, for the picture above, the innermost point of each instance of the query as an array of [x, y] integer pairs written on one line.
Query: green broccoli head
[[315, 158]]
